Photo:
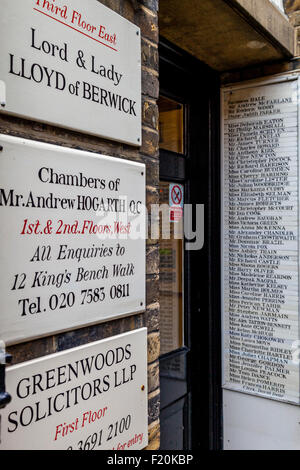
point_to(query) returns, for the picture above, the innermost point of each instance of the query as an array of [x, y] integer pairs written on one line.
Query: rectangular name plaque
[[72, 238], [261, 238], [93, 397], [73, 64]]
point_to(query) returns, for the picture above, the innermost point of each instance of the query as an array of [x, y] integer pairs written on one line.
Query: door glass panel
[[171, 275], [171, 125]]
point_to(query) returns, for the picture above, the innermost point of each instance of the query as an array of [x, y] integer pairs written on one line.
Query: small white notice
[[72, 238], [73, 64], [92, 397], [261, 238]]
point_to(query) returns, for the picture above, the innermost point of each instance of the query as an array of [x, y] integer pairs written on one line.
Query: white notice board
[[260, 243], [73, 64], [76, 399], [72, 238]]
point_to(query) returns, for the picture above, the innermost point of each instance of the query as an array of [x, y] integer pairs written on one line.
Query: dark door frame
[[194, 83]]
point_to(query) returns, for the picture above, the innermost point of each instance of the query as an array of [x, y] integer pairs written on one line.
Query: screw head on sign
[[143, 388]]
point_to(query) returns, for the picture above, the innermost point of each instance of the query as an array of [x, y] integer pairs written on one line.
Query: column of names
[[260, 240]]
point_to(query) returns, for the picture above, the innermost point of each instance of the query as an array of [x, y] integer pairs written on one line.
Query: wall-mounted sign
[[73, 64], [93, 397], [176, 201], [72, 238], [261, 238]]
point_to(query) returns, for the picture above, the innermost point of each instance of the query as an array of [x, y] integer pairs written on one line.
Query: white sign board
[[73, 64], [261, 238], [93, 397], [72, 238]]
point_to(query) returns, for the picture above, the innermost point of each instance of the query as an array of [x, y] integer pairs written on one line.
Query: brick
[[154, 436], [152, 259], [152, 170], [153, 231], [128, 10], [154, 222], [153, 377], [58, 136], [150, 114], [99, 331], [148, 22], [129, 152], [150, 57], [153, 407], [150, 84], [31, 350], [152, 289], [153, 347], [153, 227], [152, 317], [151, 4], [150, 141], [152, 197], [152, 165], [112, 4]]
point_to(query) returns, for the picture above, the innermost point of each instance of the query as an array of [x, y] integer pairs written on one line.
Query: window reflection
[[171, 125], [171, 281]]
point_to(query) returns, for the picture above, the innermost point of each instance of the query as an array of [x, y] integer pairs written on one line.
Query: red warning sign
[[176, 202], [175, 214], [176, 195]]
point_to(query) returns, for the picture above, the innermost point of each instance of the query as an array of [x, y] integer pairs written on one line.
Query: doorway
[[190, 319]]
